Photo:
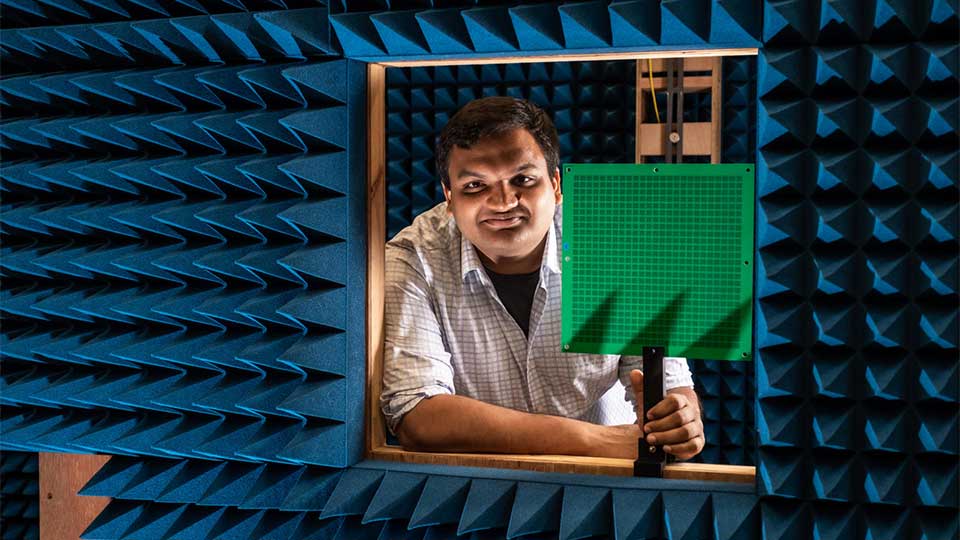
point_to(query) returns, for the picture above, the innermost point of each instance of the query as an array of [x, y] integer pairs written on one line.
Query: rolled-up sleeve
[[416, 364], [676, 374]]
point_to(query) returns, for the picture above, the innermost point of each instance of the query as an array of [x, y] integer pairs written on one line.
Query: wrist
[[589, 438], [611, 441]]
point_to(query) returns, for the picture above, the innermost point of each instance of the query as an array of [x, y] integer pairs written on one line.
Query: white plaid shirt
[[446, 332]]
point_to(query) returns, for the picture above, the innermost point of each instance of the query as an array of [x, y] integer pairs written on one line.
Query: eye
[[524, 180], [473, 187]]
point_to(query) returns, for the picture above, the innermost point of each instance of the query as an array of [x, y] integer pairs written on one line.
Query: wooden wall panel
[[63, 513]]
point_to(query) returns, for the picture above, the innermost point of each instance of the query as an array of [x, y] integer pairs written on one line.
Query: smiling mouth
[[503, 223]]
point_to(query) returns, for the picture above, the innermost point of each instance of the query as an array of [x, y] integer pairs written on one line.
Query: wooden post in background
[[699, 138], [63, 513], [716, 109]]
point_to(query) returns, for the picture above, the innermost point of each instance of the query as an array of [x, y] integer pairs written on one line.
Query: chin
[[509, 248]]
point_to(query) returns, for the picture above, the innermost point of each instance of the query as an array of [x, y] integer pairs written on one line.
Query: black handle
[[650, 459]]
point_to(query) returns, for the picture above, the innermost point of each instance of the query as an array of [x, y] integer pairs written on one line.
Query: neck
[[524, 264]]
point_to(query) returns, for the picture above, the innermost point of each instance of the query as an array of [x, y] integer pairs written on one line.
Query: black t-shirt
[[516, 293]]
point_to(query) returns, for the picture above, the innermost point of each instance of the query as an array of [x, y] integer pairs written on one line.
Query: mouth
[[503, 222]]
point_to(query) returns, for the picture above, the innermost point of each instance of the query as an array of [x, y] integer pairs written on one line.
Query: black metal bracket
[[674, 125], [650, 459]]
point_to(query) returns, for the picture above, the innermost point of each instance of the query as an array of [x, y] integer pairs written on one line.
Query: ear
[[555, 182], [446, 195]]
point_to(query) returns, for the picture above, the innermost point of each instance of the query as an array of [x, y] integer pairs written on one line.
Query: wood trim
[[64, 514], [638, 112], [376, 239], [697, 137], [691, 64], [716, 109], [568, 464], [698, 83], [739, 474], [587, 57], [691, 83], [376, 447]]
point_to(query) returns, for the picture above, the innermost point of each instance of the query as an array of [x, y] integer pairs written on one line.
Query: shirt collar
[[470, 261], [551, 252]]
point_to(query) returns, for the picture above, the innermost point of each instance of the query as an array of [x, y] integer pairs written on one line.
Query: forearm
[[451, 423]]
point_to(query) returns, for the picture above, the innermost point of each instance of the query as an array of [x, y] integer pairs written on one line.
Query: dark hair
[[489, 116]]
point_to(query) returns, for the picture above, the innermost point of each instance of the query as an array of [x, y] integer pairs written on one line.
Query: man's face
[[503, 199]]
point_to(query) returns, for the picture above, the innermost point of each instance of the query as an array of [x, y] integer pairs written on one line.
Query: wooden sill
[[566, 464]]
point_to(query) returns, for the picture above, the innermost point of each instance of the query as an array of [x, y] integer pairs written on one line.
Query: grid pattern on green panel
[[658, 255]]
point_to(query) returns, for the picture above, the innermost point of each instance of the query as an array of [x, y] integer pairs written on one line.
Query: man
[[472, 359]]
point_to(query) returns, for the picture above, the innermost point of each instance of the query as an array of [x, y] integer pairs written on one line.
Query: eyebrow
[[468, 173]]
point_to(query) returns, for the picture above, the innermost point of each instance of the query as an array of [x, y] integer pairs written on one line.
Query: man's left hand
[[675, 422]]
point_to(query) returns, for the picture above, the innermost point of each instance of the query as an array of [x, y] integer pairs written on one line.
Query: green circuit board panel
[[658, 255]]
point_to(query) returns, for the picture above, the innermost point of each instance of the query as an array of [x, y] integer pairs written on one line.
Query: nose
[[503, 197]]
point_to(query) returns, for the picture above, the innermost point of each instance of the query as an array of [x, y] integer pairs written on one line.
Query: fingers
[[636, 381], [674, 423], [676, 426], [636, 384], [686, 450], [676, 419], [669, 404], [680, 434]]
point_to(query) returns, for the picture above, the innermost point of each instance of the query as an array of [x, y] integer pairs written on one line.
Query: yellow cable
[[653, 93]]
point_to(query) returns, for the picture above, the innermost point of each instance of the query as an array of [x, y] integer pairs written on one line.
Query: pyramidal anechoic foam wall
[[434, 27], [183, 217], [857, 334], [19, 490], [179, 349], [32, 13], [145, 40]]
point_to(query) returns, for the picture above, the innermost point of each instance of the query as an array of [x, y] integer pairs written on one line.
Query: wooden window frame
[[375, 426]]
